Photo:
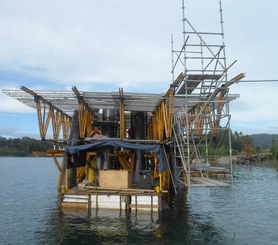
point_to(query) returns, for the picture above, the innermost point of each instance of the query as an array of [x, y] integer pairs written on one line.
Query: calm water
[[244, 214]]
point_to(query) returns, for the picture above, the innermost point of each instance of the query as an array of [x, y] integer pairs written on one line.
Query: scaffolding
[[205, 85]]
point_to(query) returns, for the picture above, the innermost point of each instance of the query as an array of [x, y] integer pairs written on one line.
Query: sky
[[104, 45]]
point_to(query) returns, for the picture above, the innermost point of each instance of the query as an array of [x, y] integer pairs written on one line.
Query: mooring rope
[[47, 169]]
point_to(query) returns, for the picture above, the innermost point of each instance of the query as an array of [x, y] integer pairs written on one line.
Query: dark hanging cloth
[[77, 153]]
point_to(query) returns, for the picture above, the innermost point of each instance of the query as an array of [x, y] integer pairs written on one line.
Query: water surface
[[246, 213]]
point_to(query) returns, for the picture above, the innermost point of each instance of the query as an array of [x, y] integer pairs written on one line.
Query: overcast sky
[[104, 45]]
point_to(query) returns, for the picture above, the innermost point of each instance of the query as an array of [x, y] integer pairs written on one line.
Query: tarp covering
[[79, 149]]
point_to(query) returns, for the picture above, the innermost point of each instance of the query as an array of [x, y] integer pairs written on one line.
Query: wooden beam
[[175, 84], [57, 163], [62, 172], [54, 112], [39, 97], [85, 113]]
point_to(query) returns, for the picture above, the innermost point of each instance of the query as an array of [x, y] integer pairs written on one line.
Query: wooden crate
[[115, 179]]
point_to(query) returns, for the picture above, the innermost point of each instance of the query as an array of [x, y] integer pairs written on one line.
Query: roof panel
[[67, 101]]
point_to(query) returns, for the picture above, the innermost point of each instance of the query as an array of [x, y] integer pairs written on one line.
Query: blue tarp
[[162, 166]]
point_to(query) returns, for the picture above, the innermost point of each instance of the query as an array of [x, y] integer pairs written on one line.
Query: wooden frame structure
[[194, 108]]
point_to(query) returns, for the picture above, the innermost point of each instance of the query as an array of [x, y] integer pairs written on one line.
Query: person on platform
[[95, 131]]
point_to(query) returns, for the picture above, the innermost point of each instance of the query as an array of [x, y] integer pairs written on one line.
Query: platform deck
[[207, 182]]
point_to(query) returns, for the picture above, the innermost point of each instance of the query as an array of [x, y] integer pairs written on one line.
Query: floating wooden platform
[[93, 197]]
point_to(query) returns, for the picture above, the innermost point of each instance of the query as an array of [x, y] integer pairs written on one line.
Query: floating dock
[[116, 199], [207, 182]]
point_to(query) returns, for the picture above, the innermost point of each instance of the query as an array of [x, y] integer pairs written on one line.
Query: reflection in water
[[176, 224], [100, 227]]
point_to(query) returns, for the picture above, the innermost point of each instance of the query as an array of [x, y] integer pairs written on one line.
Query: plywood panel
[[115, 179]]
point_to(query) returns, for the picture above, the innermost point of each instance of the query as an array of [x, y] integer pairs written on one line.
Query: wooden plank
[[207, 182], [129, 190], [147, 206], [74, 205], [217, 182], [176, 83], [49, 153]]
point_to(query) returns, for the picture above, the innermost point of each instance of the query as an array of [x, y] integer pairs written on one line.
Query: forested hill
[[264, 140], [25, 146], [22, 146]]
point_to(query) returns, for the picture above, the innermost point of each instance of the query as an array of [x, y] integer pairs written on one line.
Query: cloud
[[256, 102], [11, 105], [88, 41], [8, 130], [104, 45], [15, 132]]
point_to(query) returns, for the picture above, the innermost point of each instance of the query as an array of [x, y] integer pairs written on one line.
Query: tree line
[[219, 145], [241, 145], [22, 146]]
